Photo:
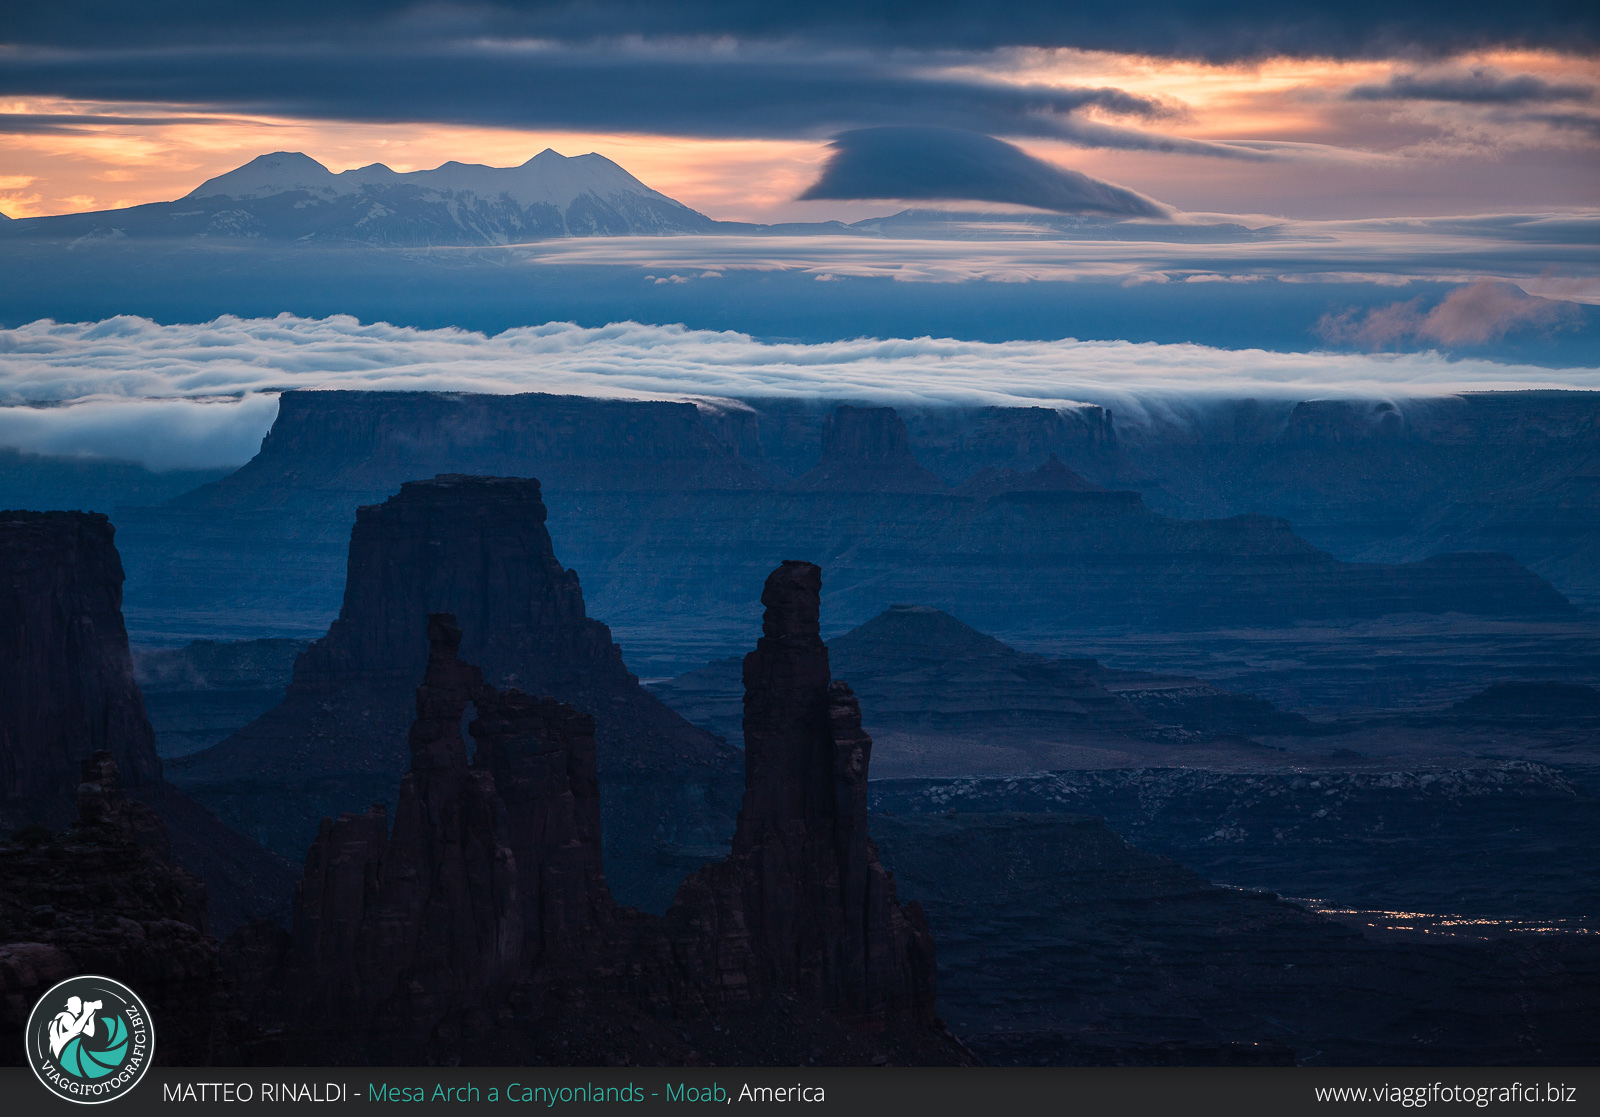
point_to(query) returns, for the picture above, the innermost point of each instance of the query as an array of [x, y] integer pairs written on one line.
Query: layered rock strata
[[867, 449], [483, 929], [668, 509]]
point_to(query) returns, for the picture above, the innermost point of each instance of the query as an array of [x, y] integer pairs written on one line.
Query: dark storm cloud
[[1568, 122], [1185, 28], [948, 165], [31, 123], [765, 94], [1480, 85]]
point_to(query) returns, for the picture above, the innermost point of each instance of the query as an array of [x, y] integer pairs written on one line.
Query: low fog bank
[[203, 395]]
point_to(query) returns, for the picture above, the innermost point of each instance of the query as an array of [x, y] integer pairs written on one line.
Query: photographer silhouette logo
[[90, 1039]]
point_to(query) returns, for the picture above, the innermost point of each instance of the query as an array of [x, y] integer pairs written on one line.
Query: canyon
[[1150, 789], [665, 508]]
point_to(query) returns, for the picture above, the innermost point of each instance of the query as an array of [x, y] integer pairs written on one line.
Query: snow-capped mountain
[[288, 196]]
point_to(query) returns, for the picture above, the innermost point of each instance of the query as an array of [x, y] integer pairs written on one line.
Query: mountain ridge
[[287, 196], [549, 178]]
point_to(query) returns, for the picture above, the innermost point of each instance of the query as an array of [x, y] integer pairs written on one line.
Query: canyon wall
[[66, 677], [667, 508]]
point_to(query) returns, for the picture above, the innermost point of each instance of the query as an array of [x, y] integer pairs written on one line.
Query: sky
[[1338, 197], [1333, 110]]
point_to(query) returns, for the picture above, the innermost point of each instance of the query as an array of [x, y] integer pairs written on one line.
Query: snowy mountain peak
[[288, 195], [277, 173], [549, 178]]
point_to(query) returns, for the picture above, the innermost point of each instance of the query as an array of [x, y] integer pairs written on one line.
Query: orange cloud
[[731, 179], [1353, 158]]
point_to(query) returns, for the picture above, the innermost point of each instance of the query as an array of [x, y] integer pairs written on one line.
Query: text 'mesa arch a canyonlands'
[[599, 554]]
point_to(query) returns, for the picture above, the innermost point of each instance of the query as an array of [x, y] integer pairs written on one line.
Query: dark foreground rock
[[1061, 944], [66, 678], [802, 903], [105, 897], [476, 547], [67, 692], [482, 930]]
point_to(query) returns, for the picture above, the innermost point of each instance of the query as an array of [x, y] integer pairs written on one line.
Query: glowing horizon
[[1329, 155]]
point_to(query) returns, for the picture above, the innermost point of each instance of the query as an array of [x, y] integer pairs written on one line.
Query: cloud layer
[[760, 91], [1183, 28], [203, 395], [950, 165]]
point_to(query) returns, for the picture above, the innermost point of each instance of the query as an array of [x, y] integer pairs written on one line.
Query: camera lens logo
[[90, 1039]]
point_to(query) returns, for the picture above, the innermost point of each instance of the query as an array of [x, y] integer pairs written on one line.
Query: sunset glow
[[1299, 113]]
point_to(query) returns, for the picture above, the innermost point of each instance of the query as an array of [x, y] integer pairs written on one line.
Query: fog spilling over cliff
[[202, 395]]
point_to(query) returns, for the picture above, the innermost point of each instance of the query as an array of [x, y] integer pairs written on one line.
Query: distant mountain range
[[288, 197]]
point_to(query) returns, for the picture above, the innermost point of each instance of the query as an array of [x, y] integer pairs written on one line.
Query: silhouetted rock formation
[[66, 678], [492, 869], [67, 692], [476, 547], [801, 904], [101, 898], [868, 449], [482, 928]]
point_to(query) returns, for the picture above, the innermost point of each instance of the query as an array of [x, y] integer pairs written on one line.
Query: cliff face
[[475, 547], [1374, 481], [667, 509], [365, 442], [483, 928], [67, 692], [66, 678], [867, 449]]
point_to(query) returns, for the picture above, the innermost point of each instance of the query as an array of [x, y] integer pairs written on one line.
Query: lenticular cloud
[[203, 395]]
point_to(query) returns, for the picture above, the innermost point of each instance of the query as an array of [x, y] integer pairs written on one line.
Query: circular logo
[[90, 1039]]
